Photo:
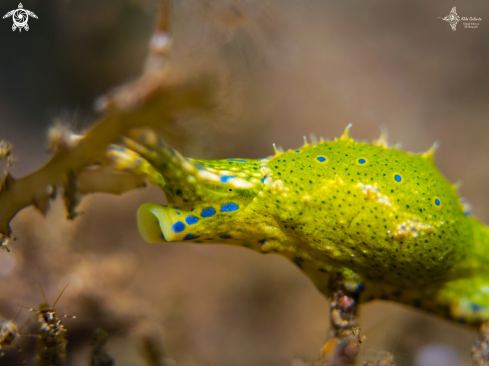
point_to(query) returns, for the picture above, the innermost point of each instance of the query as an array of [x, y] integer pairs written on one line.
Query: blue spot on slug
[[190, 236], [226, 178], [297, 151], [321, 159], [199, 166], [475, 307], [362, 161], [397, 178], [226, 236], [116, 148], [437, 202], [172, 151], [191, 220], [240, 160], [263, 179], [178, 227], [229, 207], [360, 287], [208, 212]]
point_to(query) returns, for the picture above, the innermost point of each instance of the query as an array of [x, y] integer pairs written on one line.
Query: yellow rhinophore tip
[[382, 140], [430, 154], [306, 144], [278, 150], [345, 136]]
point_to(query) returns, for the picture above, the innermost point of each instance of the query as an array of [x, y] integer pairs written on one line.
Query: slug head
[[206, 199]]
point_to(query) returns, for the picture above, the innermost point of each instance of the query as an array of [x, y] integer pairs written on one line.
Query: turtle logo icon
[[452, 18], [20, 17]]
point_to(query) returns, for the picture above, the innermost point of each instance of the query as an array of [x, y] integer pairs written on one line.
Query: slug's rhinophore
[[386, 221]]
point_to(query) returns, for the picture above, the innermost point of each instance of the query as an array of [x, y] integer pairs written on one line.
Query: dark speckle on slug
[[298, 262], [190, 236]]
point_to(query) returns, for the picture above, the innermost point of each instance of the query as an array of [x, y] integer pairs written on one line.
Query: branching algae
[[383, 220]]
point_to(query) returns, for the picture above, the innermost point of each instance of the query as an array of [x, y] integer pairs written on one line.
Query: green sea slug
[[383, 220]]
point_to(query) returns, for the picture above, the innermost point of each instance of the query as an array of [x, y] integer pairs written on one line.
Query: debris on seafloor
[[100, 356]]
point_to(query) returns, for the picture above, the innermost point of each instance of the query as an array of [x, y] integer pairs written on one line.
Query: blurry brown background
[[290, 68]]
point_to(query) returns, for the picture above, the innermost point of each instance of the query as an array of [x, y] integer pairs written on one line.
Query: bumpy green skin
[[386, 221]]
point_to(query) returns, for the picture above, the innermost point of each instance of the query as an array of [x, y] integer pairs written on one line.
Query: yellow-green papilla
[[385, 221]]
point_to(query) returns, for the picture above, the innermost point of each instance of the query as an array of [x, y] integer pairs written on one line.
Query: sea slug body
[[384, 220]]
